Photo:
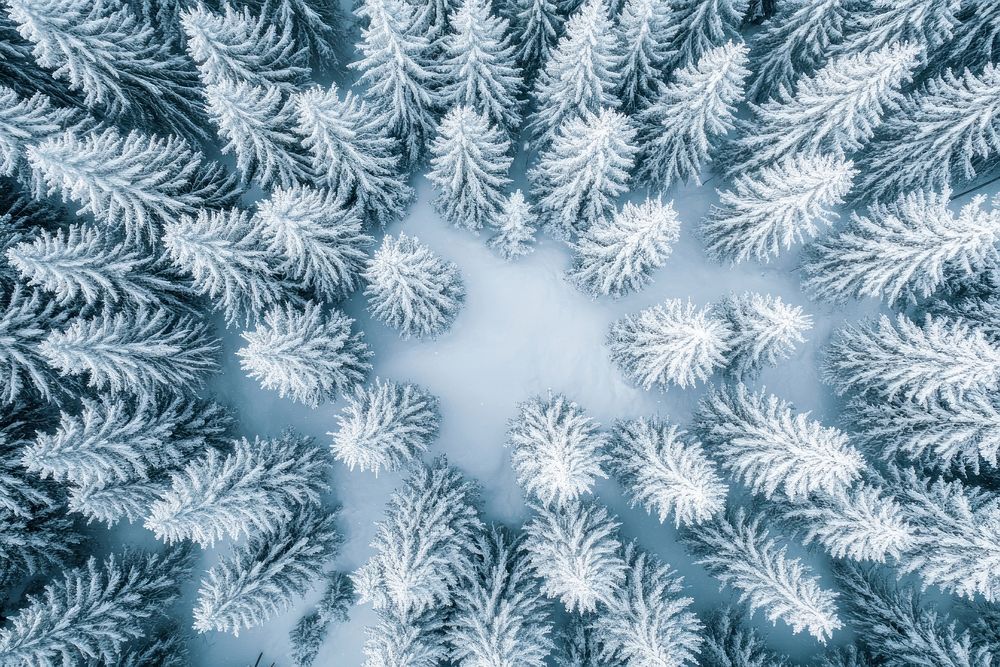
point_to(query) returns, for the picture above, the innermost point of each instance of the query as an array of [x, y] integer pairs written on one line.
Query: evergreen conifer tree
[[25, 321], [644, 34], [407, 639], [307, 636], [537, 26], [516, 228], [765, 331], [702, 25], [731, 642], [25, 121], [926, 23]]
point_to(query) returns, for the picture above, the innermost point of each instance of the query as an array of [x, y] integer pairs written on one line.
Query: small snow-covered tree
[[644, 33], [741, 554], [927, 23], [94, 610], [411, 289], [305, 355], [943, 357], [386, 426], [616, 257], [670, 343], [579, 78], [319, 237], [257, 123], [136, 351], [407, 639], [557, 450], [585, 168], [422, 546], [470, 159], [25, 320], [765, 331], [353, 153], [516, 228], [238, 46], [702, 25], [648, 622], [264, 576], [764, 444], [397, 72], [729, 641], [256, 487], [307, 636], [680, 126], [25, 121], [537, 25], [229, 261], [574, 550], [480, 66], [776, 206], [499, 615], [664, 473]]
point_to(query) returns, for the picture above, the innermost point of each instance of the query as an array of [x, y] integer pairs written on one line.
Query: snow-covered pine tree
[[134, 351], [21, 218], [670, 343], [411, 289], [536, 26], [648, 622], [480, 66], [730, 642], [83, 265], [307, 636], [794, 42], [574, 550], [834, 111], [318, 26], [664, 472], [25, 320], [617, 256], [776, 206], [738, 551], [764, 444], [499, 616], [133, 182], [262, 578], [304, 354], [238, 46], [679, 128], [765, 331], [386, 426], [644, 33], [257, 123], [228, 259], [25, 121], [942, 357], [877, 24], [586, 166], [422, 546], [516, 228], [945, 134], [353, 153], [432, 19], [397, 72], [580, 76], [118, 60], [904, 250], [256, 487], [407, 640], [319, 237], [557, 450], [470, 159], [702, 25], [95, 610]]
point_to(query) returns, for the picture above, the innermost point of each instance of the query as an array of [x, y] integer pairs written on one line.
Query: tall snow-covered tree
[[926, 23], [411, 289], [95, 610], [764, 444], [304, 354], [25, 321], [617, 256], [516, 228], [422, 546], [942, 357], [256, 487], [537, 26], [397, 72], [353, 153], [386, 426], [664, 472], [25, 121], [738, 551], [644, 33], [585, 168], [904, 250], [670, 343], [133, 351], [470, 159], [262, 578], [407, 639], [574, 550], [307, 636], [702, 25], [319, 237], [557, 450], [774, 207], [648, 622], [499, 615], [765, 331], [580, 76], [480, 66], [679, 128]]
